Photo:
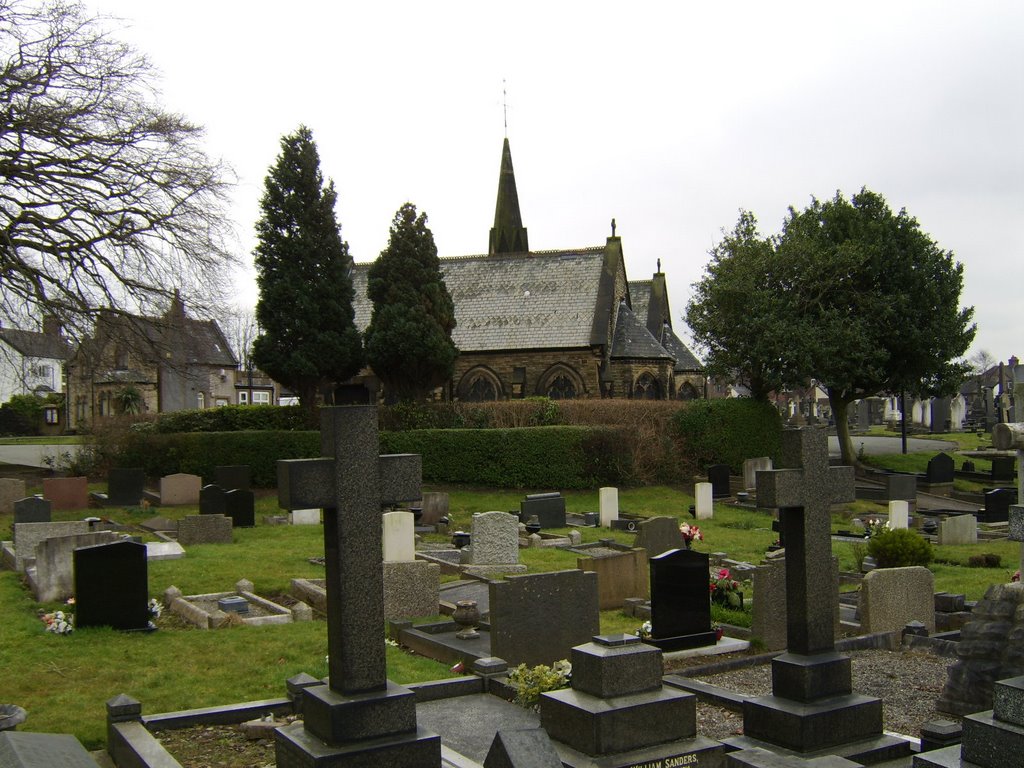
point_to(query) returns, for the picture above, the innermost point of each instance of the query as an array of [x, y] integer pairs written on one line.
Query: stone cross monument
[[359, 716]]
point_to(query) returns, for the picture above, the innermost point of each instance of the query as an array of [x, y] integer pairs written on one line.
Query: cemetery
[[693, 638]]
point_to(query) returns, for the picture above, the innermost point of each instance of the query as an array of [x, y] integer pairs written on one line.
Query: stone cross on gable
[[352, 483], [803, 491]]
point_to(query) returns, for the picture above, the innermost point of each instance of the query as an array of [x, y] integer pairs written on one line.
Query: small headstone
[[28, 535], [958, 529], [1003, 469], [892, 597], [495, 547], [620, 576], [399, 536], [751, 467], [680, 600], [899, 514], [180, 489], [32, 509], [11, 489], [126, 486], [940, 469], [240, 506], [718, 476], [549, 508], [304, 517], [112, 586], [67, 492], [233, 477], [703, 496], [608, 505], [660, 534], [411, 588], [233, 604], [900, 487], [435, 506], [211, 500], [997, 504]]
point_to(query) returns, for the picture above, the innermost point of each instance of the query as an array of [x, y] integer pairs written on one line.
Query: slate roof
[[633, 340], [539, 300], [640, 298], [36, 344], [686, 361], [186, 339]]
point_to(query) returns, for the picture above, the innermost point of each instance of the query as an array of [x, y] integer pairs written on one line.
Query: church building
[[561, 324]]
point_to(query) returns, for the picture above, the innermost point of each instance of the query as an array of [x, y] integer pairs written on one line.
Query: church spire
[[508, 235]]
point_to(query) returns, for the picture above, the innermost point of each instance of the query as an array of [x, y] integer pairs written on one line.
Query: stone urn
[[467, 616], [532, 525], [460, 539]]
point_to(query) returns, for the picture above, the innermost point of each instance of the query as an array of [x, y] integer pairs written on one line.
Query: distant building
[[562, 323], [32, 363]]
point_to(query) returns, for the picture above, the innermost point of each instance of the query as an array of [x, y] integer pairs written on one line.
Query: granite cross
[[803, 491], [352, 484]]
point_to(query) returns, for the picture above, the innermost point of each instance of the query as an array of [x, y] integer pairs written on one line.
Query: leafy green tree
[[304, 272], [409, 340]]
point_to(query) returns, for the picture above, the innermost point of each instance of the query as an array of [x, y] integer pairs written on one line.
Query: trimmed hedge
[[230, 418], [728, 431]]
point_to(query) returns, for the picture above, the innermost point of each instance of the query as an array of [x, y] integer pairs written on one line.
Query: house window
[[81, 407], [42, 371], [51, 414], [261, 398], [243, 398], [200, 400]]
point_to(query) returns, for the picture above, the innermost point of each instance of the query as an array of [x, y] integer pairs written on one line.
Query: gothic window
[[481, 390], [561, 388], [646, 388], [688, 392]]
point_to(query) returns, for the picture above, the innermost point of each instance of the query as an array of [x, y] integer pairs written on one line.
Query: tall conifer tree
[[304, 274], [409, 339]]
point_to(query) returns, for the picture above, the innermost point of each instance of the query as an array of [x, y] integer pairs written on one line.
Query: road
[[33, 455], [876, 445]]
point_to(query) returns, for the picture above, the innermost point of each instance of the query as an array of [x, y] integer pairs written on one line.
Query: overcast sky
[[669, 117]]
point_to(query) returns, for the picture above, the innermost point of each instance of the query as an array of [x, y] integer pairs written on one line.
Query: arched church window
[[646, 388], [687, 391], [561, 388], [481, 390]]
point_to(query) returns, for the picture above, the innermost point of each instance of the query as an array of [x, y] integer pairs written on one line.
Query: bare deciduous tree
[[106, 200]]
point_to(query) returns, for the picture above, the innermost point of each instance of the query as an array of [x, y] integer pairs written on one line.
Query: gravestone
[[608, 506], [768, 614], [240, 506], [941, 415], [958, 529], [435, 506], [359, 717], [524, 748], [411, 589], [211, 500], [522, 608], [11, 489], [32, 509], [19, 749], [67, 492], [750, 469], [233, 477], [704, 506], [52, 578], [997, 505], [1007, 437], [304, 517], [180, 489], [548, 507], [812, 706], [900, 487], [680, 600], [1002, 469], [495, 545], [204, 529], [620, 576], [126, 486], [398, 536], [718, 476], [940, 469], [112, 586], [899, 515], [891, 598], [28, 535], [659, 534]]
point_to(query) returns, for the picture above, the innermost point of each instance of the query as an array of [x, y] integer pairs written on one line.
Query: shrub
[[899, 548], [727, 432], [233, 418], [531, 682]]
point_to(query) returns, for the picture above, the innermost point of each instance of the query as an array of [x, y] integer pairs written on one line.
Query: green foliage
[[725, 590], [409, 339], [728, 431], [129, 400], [21, 415], [308, 337], [544, 457], [898, 548], [230, 418], [531, 682]]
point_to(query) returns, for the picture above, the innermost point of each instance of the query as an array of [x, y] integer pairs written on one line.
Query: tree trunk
[[840, 407], [307, 399]]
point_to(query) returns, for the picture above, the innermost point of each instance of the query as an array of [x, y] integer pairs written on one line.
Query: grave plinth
[[359, 717]]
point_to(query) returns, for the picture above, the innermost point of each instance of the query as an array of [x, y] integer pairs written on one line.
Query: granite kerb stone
[[231, 714]]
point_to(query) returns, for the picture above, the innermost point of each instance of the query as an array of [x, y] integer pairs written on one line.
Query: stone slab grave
[[42, 750], [618, 713], [28, 535], [750, 469], [549, 509], [233, 477], [112, 586], [67, 492], [718, 476], [51, 577], [32, 509], [410, 585], [768, 613], [211, 610], [891, 598], [659, 534], [958, 529], [812, 707], [204, 529], [180, 489], [358, 717], [164, 550], [11, 489], [622, 572], [607, 506], [704, 501], [494, 547], [680, 600]]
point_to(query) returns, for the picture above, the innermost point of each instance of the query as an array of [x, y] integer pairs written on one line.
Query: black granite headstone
[[239, 505], [718, 476], [680, 600], [941, 414], [112, 586], [126, 486], [940, 469], [236, 476], [548, 507], [997, 505], [1003, 468], [32, 509], [211, 500]]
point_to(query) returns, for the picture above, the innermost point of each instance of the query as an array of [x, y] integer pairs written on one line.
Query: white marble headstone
[[399, 537], [705, 508], [899, 514], [608, 506]]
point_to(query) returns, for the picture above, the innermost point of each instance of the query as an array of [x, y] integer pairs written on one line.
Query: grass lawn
[[64, 682]]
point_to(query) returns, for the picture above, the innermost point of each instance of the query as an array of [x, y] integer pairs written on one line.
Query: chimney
[[52, 325]]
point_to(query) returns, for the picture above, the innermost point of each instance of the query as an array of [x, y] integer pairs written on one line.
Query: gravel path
[[909, 684]]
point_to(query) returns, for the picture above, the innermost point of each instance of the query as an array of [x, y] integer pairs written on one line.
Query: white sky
[[668, 116]]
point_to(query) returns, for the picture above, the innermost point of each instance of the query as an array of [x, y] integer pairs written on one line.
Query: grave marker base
[[812, 726], [683, 642], [297, 748], [697, 752]]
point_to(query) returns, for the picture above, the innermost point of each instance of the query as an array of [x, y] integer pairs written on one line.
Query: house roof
[[539, 300], [36, 344], [173, 338], [633, 340]]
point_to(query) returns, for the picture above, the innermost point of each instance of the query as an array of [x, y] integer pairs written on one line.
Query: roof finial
[[613, 227], [659, 266], [504, 105]]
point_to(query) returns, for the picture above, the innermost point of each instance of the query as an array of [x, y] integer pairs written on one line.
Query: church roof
[[686, 361], [540, 300], [633, 340], [640, 298]]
